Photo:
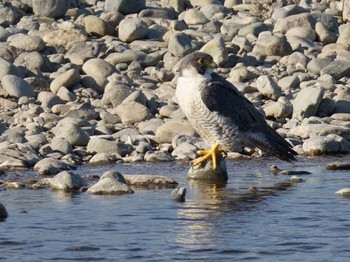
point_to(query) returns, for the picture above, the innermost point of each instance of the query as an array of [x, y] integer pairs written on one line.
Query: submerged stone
[[207, 172], [3, 212], [179, 194]]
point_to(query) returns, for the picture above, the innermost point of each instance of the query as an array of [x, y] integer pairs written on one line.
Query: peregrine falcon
[[221, 115]]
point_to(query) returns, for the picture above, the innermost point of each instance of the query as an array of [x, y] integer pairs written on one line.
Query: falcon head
[[197, 63]]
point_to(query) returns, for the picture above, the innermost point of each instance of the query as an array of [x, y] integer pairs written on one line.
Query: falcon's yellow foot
[[206, 154]]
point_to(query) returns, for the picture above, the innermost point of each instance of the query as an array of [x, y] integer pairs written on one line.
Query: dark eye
[[201, 61]]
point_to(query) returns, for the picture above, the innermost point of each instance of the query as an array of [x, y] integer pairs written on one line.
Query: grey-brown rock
[[307, 102], [97, 27], [194, 17], [317, 64], [254, 28], [110, 183], [217, 49], [69, 130], [50, 8], [128, 56], [267, 87], [132, 113], [344, 192], [50, 166], [157, 156], [319, 145], [67, 79], [131, 29], [65, 36], [98, 68], [180, 44], [299, 20], [268, 45], [61, 144], [185, 151], [125, 6], [16, 86], [171, 128], [7, 68], [325, 35], [82, 51], [66, 181], [101, 145], [26, 43], [337, 69], [149, 181], [49, 99], [206, 172]]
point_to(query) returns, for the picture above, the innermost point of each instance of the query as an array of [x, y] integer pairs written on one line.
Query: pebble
[[110, 183]]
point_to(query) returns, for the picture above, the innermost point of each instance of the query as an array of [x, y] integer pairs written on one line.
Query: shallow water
[[305, 222]]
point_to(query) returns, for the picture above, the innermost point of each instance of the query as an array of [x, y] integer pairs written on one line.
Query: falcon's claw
[[206, 154]]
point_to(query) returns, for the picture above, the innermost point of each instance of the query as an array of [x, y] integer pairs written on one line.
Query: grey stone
[[179, 194], [66, 181], [111, 183], [61, 144], [157, 156], [7, 68], [49, 99], [3, 211], [289, 82], [101, 145], [337, 69], [299, 20], [180, 44], [307, 102], [65, 94], [206, 172], [124, 6], [95, 26], [184, 151], [320, 145], [194, 17], [254, 28], [26, 43], [50, 166], [303, 32], [171, 128], [98, 68], [267, 87], [9, 15], [217, 49], [72, 132], [131, 29], [32, 61], [149, 181], [132, 113], [65, 37], [324, 34], [50, 8], [82, 51], [16, 86], [128, 56], [67, 79], [316, 64], [288, 11], [268, 45]]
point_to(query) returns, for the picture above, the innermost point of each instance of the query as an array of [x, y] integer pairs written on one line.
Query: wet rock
[[66, 181], [157, 156], [338, 166], [3, 211], [179, 194], [307, 102], [50, 8], [110, 183], [205, 172], [317, 64], [50, 166], [15, 185], [16, 86], [149, 181], [344, 192], [296, 179]]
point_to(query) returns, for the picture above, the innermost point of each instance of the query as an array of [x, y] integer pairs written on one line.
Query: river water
[[305, 222]]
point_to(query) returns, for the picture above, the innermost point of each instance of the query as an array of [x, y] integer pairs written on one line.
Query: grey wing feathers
[[222, 97]]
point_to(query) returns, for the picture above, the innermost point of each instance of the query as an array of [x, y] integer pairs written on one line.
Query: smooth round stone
[[74, 134], [50, 166], [16, 86], [97, 27], [125, 6], [304, 32], [26, 43], [67, 79], [66, 181], [195, 17], [98, 68], [30, 60], [180, 44], [131, 29], [49, 99], [132, 112]]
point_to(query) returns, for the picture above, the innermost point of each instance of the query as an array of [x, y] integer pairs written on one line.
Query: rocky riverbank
[[86, 81]]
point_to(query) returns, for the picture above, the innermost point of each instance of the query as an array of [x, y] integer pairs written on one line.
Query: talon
[[206, 154]]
